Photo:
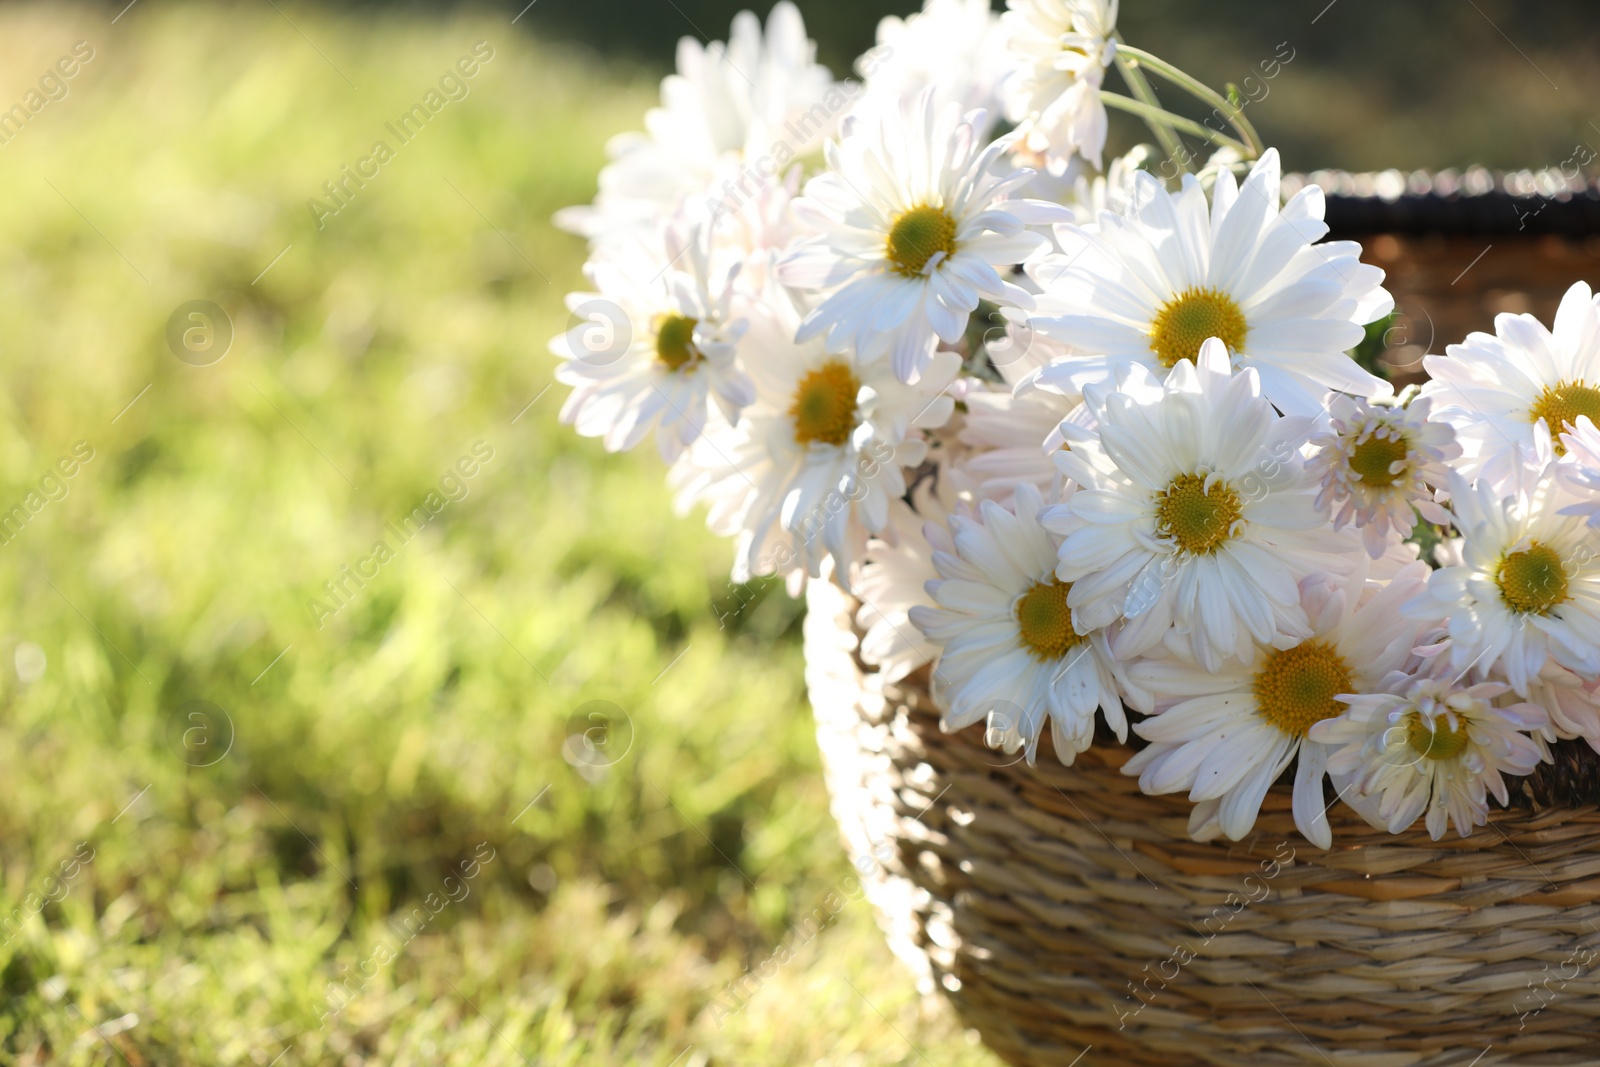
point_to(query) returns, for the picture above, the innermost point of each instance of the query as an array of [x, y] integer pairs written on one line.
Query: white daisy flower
[[1150, 285], [1527, 591], [1429, 745], [1496, 388], [1112, 191], [1008, 431], [1018, 352], [1088, 192], [911, 221], [1379, 465], [656, 341], [1571, 703], [1011, 652], [1193, 510], [814, 462], [1011, 432], [1225, 734], [1059, 51], [760, 97], [1579, 468], [951, 46], [751, 225], [1013, 437], [894, 578]]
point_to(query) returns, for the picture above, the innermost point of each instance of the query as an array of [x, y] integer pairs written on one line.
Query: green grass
[[414, 729]]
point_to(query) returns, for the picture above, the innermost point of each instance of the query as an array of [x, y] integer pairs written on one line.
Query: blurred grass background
[[423, 725]]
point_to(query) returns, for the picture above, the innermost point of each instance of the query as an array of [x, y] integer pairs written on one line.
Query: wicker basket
[[1060, 909], [1068, 917]]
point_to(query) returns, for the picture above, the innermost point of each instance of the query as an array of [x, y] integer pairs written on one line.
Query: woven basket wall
[[1035, 900]]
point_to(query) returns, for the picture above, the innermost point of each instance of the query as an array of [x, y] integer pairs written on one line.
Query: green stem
[[1152, 114], [1143, 92], [1251, 140]]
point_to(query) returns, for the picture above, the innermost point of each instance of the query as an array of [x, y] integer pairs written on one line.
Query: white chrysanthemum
[[654, 343], [1059, 51], [729, 106], [1431, 745], [1109, 192], [1194, 510], [1011, 652], [1018, 351], [1379, 465], [1528, 588], [1579, 468], [1572, 704], [1226, 734], [1011, 440], [952, 46], [750, 222], [1011, 432], [911, 221], [811, 467], [1495, 388], [1151, 285], [894, 578]]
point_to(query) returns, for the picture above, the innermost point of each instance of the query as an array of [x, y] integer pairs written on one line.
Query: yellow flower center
[[1373, 458], [1435, 739], [1294, 690], [824, 408], [1561, 404], [1190, 319], [917, 235], [675, 341], [1197, 518], [1532, 581], [1045, 621]]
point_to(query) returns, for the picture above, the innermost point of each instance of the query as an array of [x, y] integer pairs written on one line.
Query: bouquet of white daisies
[[1087, 441]]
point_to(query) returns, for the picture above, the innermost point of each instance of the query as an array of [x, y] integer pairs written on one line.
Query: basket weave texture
[[1060, 910]]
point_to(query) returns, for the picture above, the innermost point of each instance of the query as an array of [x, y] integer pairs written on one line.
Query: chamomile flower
[[812, 466], [1151, 284], [952, 46], [1579, 468], [1225, 734], [1011, 652], [1431, 745], [1496, 388], [1527, 591], [761, 96], [1193, 511], [1059, 51], [1379, 465], [656, 341], [909, 224]]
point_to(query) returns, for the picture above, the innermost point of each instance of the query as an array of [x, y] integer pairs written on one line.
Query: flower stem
[[1251, 146], [1154, 115], [1145, 94]]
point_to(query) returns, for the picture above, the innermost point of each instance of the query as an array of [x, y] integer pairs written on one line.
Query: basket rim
[[1473, 202]]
